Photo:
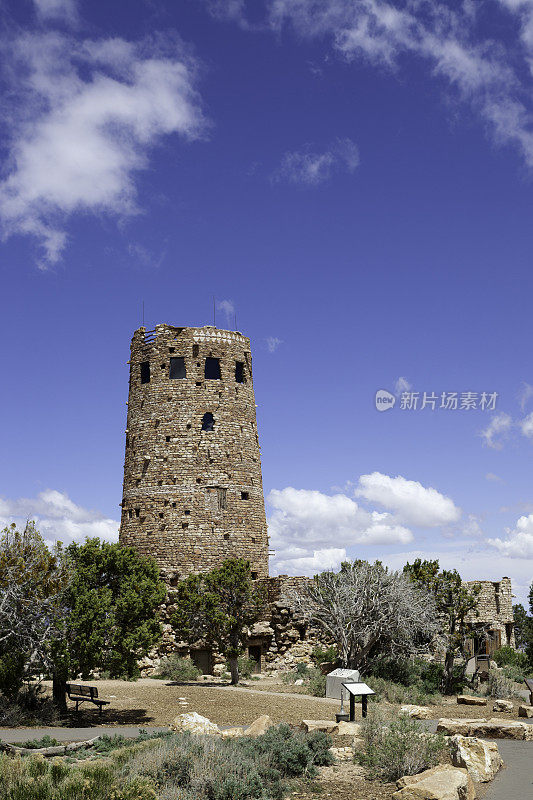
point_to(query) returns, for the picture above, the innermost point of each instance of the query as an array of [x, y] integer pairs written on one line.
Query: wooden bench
[[529, 684], [81, 694]]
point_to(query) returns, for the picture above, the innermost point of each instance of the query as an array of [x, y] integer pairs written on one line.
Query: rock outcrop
[[439, 783], [481, 759]]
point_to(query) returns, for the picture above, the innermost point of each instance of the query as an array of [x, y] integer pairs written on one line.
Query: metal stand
[[364, 706]]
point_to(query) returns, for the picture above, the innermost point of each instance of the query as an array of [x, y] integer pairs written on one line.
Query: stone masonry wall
[[193, 496], [495, 607]]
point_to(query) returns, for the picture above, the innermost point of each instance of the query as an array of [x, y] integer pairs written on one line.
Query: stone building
[[495, 621], [193, 492]]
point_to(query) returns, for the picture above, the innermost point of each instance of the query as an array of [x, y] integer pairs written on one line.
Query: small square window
[[177, 368], [184, 525], [137, 512], [212, 369], [145, 372], [187, 512], [174, 505], [167, 438], [226, 536], [245, 495], [255, 576], [195, 350], [171, 349]]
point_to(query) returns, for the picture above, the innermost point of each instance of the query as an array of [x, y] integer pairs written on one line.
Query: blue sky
[[354, 179]]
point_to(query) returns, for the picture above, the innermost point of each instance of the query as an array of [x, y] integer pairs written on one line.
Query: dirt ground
[[154, 702]]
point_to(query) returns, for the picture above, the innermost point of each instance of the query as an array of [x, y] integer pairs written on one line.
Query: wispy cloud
[[87, 116], [227, 307], [490, 476], [402, 385], [497, 431], [525, 395], [310, 168], [491, 75], [64, 10], [272, 343]]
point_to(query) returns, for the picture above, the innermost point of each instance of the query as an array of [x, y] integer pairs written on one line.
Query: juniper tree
[[217, 608]]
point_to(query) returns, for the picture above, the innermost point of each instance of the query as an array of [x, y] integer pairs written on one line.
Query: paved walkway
[[15, 735], [515, 780]]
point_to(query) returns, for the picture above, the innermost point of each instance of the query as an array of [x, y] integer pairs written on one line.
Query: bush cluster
[[246, 665], [176, 668], [320, 655], [171, 767], [397, 747], [314, 680], [499, 686], [407, 681]]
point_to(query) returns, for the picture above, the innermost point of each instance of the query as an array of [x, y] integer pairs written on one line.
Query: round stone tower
[[193, 492]]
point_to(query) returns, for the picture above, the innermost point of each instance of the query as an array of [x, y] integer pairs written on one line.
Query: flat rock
[[194, 723], [463, 727], [502, 705], [525, 711], [259, 726], [416, 712], [326, 725], [348, 728], [439, 783], [341, 753], [493, 728], [231, 733], [481, 759], [469, 700]]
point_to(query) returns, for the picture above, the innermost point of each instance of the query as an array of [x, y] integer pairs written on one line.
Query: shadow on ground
[[88, 719]]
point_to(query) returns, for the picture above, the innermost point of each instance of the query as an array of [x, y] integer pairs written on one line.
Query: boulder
[[326, 725], [194, 723], [502, 705], [481, 759], [525, 711], [259, 726], [469, 700], [231, 733], [463, 727], [439, 783], [299, 682], [416, 712], [348, 728]]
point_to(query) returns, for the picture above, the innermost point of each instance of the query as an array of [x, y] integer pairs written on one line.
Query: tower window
[[167, 438], [239, 372], [226, 536], [195, 350], [208, 422], [212, 369], [255, 576], [177, 367], [145, 372], [245, 495]]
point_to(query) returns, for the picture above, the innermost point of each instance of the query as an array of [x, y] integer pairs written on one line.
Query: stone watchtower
[[193, 492]]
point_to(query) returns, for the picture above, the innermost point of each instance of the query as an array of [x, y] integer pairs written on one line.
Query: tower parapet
[[193, 492]]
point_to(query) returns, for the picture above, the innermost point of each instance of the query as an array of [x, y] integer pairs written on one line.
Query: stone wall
[[193, 492]]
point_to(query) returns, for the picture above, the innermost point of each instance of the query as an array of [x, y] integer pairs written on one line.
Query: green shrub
[[400, 694], [32, 707], [44, 741], [499, 686], [176, 668], [293, 754], [427, 676], [319, 655], [316, 682], [397, 747], [509, 656]]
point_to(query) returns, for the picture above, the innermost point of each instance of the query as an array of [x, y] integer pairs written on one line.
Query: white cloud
[[526, 426], [305, 523], [493, 76], [412, 503], [402, 385], [228, 309], [490, 476], [58, 518], [525, 395], [497, 430], [472, 527], [273, 343], [309, 169], [65, 10], [88, 115], [519, 541], [326, 558]]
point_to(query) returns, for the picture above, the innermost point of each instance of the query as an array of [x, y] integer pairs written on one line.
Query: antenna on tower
[[214, 313], [143, 313], [235, 320]]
